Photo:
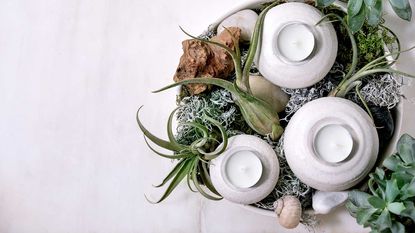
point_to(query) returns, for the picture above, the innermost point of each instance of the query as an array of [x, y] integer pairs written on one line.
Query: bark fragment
[[201, 59]]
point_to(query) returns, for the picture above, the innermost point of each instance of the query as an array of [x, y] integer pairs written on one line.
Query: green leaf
[[324, 3], [376, 202], [406, 148], [374, 12], [359, 199], [224, 144], [402, 178], [178, 156], [252, 51], [370, 2], [170, 129], [183, 171], [204, 174], [355, 22], [396, 207], [354, 7], [400, 4], [384, 220], [409, 210], [408, 190], [380, 173], [197, 184], [364, 214], [213, 81], [391, 162], [159, 142], [392, 190], [397, 227], [172, 173]]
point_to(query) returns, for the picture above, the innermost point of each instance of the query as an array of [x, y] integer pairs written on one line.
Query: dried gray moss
[[382, 91]]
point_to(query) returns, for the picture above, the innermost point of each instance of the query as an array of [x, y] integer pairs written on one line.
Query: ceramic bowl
[[397, 111]]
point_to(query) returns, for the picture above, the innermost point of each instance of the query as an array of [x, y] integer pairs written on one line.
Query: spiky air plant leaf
[[257, 113], [192, 158], [381, 64]]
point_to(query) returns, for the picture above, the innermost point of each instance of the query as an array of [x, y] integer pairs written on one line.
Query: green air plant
[[390, 205], [353, 79], [193, 159], [257, 113], [359, 11]]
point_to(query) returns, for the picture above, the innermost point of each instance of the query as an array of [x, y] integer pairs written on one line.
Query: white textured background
[[72, 75]]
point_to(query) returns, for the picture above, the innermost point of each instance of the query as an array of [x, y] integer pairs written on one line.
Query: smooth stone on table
[[244, 19], [283, 66], [305, 161], [269, 176], [325, 202], [268, 92]]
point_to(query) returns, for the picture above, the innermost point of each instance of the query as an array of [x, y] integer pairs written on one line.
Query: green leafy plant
[[359, 11], [389, 207], [257, 113], [193, 158]]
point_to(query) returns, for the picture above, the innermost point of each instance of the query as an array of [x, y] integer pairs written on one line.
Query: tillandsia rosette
[[226, 91]]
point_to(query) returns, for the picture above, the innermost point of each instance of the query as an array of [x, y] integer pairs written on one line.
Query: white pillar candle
[[333, 143], [243, 169], [295, 42]]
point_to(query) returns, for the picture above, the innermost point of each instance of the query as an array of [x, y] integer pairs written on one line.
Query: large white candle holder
[[324, 173]]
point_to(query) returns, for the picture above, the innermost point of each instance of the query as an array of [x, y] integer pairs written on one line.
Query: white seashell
[[267, 91], [269, 177], [283, 73], [324, 202], [244, 19], [288, 210], [307, 164]]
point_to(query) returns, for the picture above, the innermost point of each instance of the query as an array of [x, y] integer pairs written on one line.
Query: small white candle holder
[[316, 170], [255, 191]]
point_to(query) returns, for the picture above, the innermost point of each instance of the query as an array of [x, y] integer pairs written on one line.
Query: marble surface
[[72, 75]]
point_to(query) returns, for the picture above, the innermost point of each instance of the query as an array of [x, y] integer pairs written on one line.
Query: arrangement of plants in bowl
[[286, 107]]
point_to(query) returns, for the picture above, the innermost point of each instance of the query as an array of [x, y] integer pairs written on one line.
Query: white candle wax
[[243, 169], [295, 42], [333, 143]]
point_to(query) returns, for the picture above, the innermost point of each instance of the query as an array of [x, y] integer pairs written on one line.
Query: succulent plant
[[258, 114], [193, 158], [359, 11], [389, 207]]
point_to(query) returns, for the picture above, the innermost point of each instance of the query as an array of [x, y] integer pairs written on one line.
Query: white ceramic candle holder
[[267, 181], [296, 70], [313, 169]]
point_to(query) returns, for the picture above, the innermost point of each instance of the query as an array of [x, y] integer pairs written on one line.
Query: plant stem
[[254, 47]]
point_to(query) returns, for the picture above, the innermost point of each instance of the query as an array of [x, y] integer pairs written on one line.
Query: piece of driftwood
[[202, 59]]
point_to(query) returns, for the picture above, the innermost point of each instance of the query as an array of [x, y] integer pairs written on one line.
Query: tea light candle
[[243, 169], [333, 143], [295, 42]]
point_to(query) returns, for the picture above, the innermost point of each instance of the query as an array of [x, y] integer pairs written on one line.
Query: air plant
[[193, 158], [258, 114], [352, 79]]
